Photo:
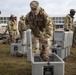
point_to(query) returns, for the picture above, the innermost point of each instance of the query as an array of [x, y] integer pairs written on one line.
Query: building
[[3, 25], [4, 19], [3, 22], [58, 20]]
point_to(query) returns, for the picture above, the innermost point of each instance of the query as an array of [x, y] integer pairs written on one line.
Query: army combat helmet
[[34, 5]]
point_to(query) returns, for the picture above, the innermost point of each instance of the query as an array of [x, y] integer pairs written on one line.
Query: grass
[[70, 63], [12, 65]]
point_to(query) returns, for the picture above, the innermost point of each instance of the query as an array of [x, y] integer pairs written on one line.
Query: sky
[[21, 7]]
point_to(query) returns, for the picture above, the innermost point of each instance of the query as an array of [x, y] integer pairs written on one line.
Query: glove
[[44, 57]]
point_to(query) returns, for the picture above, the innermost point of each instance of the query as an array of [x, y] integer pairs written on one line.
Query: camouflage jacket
[[21, 25], [40, 24], [68, 23], [12, 25]]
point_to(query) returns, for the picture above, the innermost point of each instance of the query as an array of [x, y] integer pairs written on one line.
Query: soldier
[[68, 23], [21, 26], [42, 28], [12, 27]]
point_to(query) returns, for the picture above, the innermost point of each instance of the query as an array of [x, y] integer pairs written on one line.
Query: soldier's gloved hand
[[44, 57]]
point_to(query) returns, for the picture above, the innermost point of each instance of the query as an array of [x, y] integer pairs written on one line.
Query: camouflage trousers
[[39, 43], [12, 36], [21, 34]]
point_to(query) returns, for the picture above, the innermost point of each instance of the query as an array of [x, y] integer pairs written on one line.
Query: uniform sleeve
[[66, 23], [8, 26], [27, 22], [49, 25], [24, 26]]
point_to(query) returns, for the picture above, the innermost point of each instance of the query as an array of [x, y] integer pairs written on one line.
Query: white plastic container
[[24, 42], [67, 51], [29, 45], [63, 38], [24, 38], [61, 52], [55, 66], [17, 47], [70, 38]]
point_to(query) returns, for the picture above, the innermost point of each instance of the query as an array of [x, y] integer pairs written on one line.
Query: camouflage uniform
[[12, 27], [42, 28], [68, 23], [21, 26]]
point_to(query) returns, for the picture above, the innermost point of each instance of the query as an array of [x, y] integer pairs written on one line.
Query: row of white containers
[[39, 67], [56, 64], [64, 39]]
